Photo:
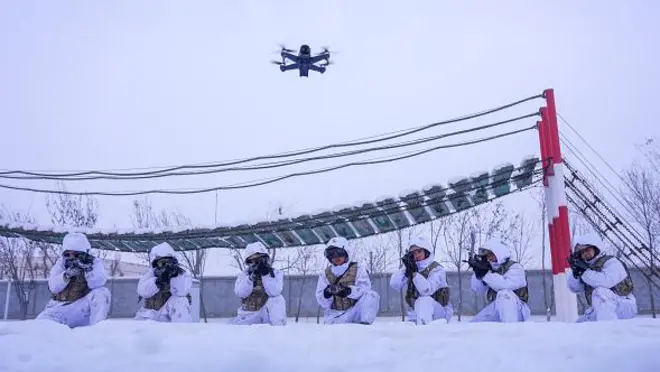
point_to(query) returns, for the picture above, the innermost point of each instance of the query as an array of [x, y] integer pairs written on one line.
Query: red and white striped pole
[[557, 209]]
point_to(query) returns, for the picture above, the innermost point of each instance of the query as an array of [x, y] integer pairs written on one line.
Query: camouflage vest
[[441, 295], [346, 279], [75, 290], [623, 288], [157, 301], [522, 293], [257, 299]]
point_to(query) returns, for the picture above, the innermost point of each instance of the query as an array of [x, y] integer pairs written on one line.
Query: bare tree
[[539, 197], [17, 261], [305, 262], [378, 252], [643, 197], [520, 234]]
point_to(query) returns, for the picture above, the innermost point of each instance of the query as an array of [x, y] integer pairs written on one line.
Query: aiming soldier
[[165, 288], [343, 290], [425, 281], [604, 280], [260, 288], [504, 282], [77, 282]]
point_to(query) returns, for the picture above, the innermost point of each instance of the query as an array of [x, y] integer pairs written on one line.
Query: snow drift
[[127, 345]]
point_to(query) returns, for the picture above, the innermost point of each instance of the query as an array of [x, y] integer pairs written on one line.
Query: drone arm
[[320, 69], [293, 66], [290, 56], [320, 57]]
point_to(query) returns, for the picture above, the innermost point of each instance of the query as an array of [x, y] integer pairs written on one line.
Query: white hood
[[161, 250], [255, 248], [421, 242], [76, 242], [591, 238], [499, 249], [340, 242]]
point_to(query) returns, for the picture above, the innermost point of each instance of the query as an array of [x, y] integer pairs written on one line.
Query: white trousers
[[176, 309], [507, 308], [426, 310], [273, 313], [364, 312], [607, 305], [87, 311]]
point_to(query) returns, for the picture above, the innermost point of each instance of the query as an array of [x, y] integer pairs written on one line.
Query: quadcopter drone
[[303, 62]]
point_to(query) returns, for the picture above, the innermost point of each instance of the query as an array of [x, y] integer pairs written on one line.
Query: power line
[[273, 180], [280, 155], [283, 163]]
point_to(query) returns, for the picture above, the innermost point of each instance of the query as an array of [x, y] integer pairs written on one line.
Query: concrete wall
[[219, 299]]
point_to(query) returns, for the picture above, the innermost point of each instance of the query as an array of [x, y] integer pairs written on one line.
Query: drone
[[303, 62]]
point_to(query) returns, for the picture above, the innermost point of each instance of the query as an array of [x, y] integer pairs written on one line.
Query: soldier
[[425, 280], [260, 288], [343, 290], [165, 288], [77, 282], [503, 280], [604, 280]]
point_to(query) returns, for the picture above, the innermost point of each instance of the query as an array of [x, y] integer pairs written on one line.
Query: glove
[[327, 292], [264, 269], [72, 271], [343, 291], [86, 267], [479, 265], [410, 265], [578, 266]]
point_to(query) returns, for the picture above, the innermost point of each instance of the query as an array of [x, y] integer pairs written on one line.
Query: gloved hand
[[578, 266], [479, 265], [343, 291], [86, 267], [72, 271], [327, 292], [410, 265], [264, 268]]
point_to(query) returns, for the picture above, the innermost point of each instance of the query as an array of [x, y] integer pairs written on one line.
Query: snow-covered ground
[[386, 346]]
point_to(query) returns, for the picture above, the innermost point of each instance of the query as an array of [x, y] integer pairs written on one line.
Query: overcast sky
[[133, 84]]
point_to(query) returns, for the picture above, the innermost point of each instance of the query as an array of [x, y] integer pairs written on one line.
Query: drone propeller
[[276, 62], [326, 50], [285, 49], [328, 63]]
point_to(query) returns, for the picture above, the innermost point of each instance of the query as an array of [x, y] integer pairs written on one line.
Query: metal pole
[[7, 299], [557, 210]]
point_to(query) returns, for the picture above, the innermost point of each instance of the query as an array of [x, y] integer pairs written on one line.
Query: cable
[[307, 222], [205, 190], [281, 155], [596, 173], [284, 163], [592, 149]]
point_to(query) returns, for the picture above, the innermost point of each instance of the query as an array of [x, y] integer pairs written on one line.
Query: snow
[[127, 345], [480, 174], [498, 168], [457, 180]]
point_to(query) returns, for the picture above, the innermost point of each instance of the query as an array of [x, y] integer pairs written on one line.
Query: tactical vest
[[441, 295], [257, 299], [623, 288], [157, 301], [522, 293], [346, 279], [75, 290]]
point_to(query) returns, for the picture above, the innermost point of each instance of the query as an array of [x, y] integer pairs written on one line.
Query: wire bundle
[[281, 159]]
